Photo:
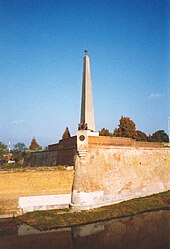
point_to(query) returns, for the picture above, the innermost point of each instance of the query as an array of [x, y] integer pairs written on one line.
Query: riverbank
[[46, 220]]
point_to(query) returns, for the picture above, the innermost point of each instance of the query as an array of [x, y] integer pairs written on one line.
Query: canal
[[142, 231]]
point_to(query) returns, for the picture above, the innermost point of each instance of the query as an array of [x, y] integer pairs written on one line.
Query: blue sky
[[41, 50]]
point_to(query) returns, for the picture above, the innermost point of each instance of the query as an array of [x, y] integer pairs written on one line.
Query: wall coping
[[128, 147]]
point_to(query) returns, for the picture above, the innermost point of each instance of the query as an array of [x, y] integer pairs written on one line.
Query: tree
[[19, 147], [160, 136], [3, 147], [34, 145], [127, 128], [141, 136], [3, 150], [105, 132], [66, 133], [19, 152], [115, 132]]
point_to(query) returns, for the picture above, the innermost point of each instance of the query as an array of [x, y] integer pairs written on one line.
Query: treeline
[[127, 128], [18, 153]]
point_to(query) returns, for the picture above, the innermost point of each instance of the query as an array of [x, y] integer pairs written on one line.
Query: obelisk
[[87, 109]]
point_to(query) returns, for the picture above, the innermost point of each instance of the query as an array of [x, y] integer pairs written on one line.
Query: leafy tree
[[115, 132], [127, 128], [141, 136], [19, 147], [3, 147], [160, 136], [34, 145], [19, 152], [3, 150], [105, 132], [66, 133]]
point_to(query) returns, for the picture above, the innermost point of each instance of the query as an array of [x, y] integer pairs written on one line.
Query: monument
[[87, 122], [108, 170], [65, 151], [87, 109]]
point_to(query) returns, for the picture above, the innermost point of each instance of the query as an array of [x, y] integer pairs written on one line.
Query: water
[[144, 231]]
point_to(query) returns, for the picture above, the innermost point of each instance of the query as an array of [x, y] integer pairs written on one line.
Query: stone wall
[[62, 153], [110, 174], [43, 158], [121, 141]]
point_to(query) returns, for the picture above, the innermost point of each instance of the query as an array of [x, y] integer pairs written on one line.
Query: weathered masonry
[[118, 169], [62, 153]]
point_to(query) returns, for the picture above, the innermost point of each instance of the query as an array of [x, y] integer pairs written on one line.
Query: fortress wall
[[62, 153], [111, 174], [67, 149], [121, 141], [52, 158], [43, 158], [64, 143], [66, 157]]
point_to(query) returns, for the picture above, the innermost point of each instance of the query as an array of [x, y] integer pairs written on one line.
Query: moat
[[143, 231]]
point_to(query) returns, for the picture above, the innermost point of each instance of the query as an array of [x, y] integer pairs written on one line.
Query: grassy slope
[[44, 220]]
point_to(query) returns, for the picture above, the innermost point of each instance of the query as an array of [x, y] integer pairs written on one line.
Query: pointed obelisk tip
[[86, 51]]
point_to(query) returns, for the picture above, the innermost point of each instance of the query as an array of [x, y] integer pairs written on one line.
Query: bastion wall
[[113, 171], [62, 153]]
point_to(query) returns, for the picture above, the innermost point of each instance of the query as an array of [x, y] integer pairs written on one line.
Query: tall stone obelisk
[[85, 132], [87, 109], [87, 124]]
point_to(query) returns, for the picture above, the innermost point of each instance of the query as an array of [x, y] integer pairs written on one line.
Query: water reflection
[[144, 231]]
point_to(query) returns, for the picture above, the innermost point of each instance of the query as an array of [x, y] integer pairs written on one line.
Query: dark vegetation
[[44, 220], [17, 154], [127, 128], [34, 145], [66, 133]]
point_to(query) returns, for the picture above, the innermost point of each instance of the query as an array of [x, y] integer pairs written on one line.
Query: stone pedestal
[[82, 141]]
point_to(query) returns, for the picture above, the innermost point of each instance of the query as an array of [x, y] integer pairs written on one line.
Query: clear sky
[[41, 51]]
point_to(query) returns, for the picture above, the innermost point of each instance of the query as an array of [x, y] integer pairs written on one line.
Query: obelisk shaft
[[87, 109]]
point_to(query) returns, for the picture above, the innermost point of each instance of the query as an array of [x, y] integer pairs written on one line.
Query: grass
[[45, 220]]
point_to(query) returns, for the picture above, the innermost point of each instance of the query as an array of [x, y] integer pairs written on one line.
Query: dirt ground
[[31, 183]]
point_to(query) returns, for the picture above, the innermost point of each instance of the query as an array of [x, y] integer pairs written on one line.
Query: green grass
[[44, 220]]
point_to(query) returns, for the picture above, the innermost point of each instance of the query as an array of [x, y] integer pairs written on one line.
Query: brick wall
[[121, 141], [43, 158], [62, 153]]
